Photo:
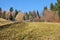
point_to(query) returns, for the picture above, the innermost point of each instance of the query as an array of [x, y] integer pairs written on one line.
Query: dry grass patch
[[4, 22], [31, 31]]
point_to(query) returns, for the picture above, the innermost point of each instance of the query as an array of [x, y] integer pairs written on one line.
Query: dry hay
[[19, 17]]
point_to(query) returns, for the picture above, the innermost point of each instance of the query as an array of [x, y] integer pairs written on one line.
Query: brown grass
[[4, 22], [31, 31]]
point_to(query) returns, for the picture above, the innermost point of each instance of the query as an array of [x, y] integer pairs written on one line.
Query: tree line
[[53, 7], [12, 17], [2, 13]]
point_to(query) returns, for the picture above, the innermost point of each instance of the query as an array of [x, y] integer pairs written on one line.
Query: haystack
[[19, 17]]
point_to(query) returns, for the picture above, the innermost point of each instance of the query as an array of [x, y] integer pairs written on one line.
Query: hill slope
[[3, 21], [31, 31]]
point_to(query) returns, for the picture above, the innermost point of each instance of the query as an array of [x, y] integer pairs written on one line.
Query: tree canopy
[[11, 9]]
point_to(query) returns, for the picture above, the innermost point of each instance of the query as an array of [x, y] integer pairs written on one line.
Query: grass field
[[31, 31]]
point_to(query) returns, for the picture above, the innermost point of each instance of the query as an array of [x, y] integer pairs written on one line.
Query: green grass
[[31, 31]]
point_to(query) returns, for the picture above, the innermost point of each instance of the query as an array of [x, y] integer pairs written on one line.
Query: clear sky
[[25, 5]]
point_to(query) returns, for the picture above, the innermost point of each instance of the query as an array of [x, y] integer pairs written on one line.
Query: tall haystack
[[19, 17]]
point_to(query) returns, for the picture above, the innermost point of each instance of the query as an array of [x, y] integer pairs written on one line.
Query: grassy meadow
[[31, 31]]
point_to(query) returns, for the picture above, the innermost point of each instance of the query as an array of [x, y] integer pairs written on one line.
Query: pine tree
[[11, 9], [0, 12], [45, 8], [27, 16], [55, 6], [16, 12], [58, 1], [52, 6], [11, 17], [0, 9], [58, 7], [3, 15], [38, 14]]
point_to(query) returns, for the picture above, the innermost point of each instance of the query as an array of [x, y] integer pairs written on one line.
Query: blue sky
[[25, 5]]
